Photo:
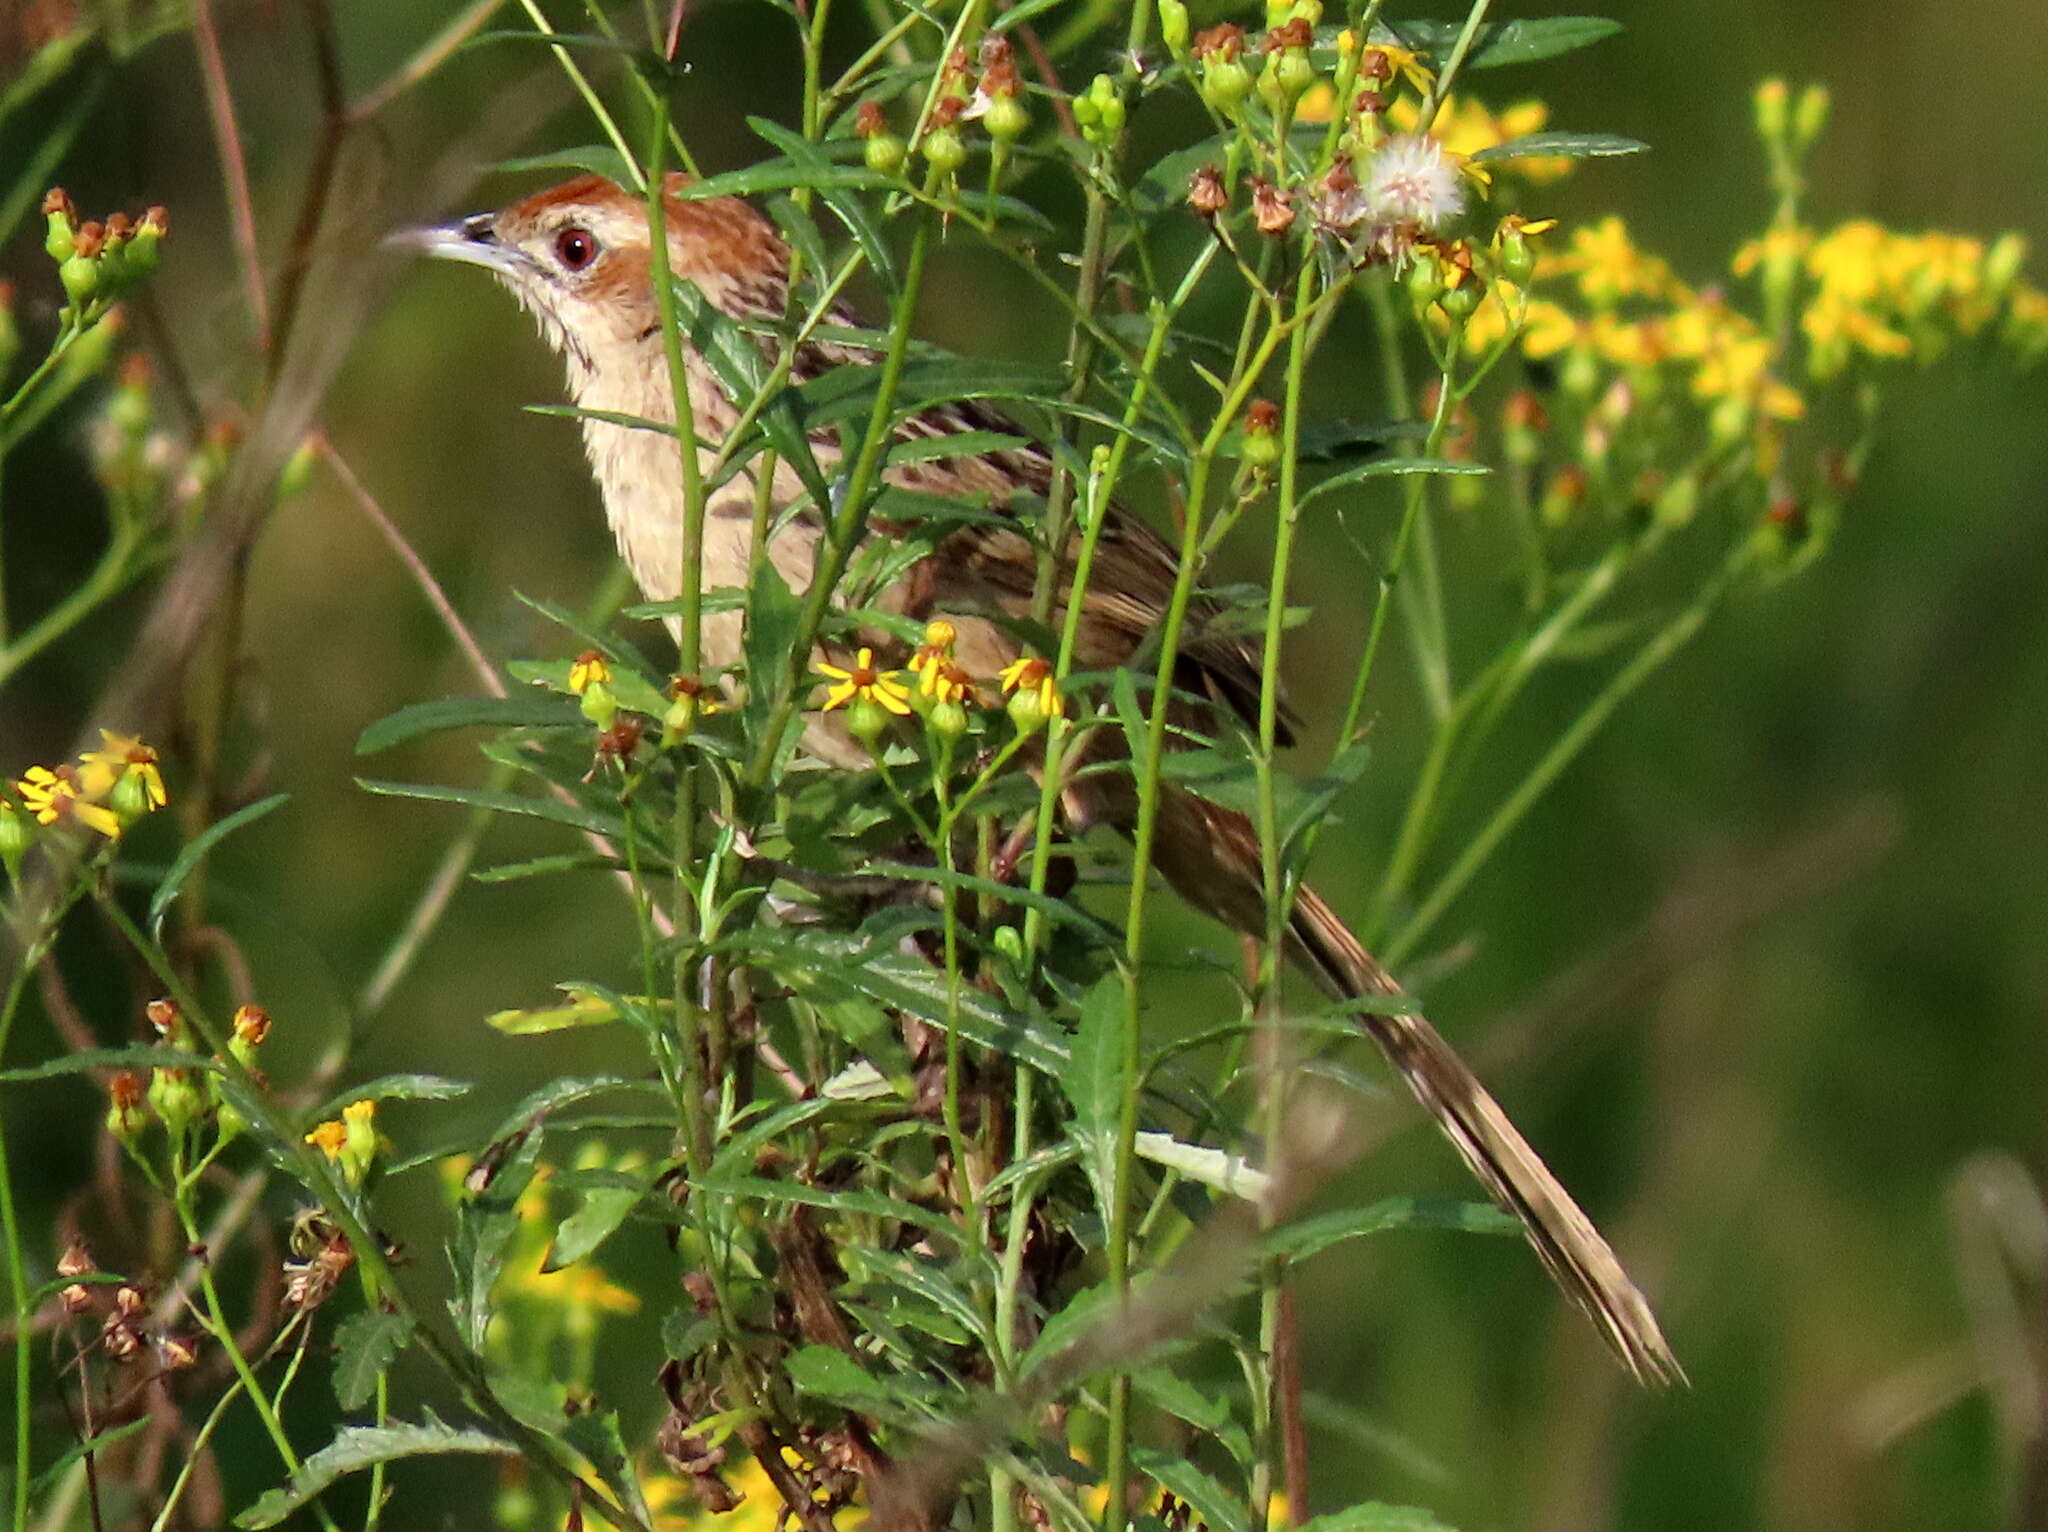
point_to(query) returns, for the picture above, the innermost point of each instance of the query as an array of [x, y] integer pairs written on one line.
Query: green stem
[[105, 581], [850, 521], [1668, 640]]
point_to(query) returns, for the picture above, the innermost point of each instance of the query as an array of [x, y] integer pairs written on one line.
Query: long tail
[[1211, 856]]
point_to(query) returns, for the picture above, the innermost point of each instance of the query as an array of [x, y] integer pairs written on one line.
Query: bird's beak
[[473, 239]]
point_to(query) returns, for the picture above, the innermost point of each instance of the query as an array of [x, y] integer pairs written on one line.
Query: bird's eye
[[575, 248]]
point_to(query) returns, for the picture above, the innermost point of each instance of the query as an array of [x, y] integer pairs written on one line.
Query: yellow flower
[[1609, 267], [328, 1138], [1034, 690], [934, 655], [588, 669], [124, 774], [1407, 66], [1781, 242], [864, 683], [57, 794]]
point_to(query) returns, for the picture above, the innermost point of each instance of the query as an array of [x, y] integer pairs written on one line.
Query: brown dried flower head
[[1224, 42], [1206, 195], [1271, 210]]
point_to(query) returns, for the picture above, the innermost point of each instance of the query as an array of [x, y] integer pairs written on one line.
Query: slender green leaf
[[1561, 146], [1218, 1508], [395, 1088], [1215, 1168], [548, 809], [1386, 468], [1502, 43], [190, 858], [50, 1477], [359, 1447], [523, 709], [1312, 1236], [141, 1056], [596, 159], [595, 1434]]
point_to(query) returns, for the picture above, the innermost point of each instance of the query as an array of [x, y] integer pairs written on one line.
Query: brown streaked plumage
[[577, 257]]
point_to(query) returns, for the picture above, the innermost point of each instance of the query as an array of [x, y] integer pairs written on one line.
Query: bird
[[578, 258]]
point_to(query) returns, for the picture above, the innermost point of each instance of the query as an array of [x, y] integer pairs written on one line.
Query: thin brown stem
[[234, 165]]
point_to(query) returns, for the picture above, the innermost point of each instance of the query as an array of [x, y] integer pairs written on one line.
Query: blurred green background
[[1765, 977]]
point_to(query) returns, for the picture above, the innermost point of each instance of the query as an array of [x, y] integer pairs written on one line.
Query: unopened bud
[[866, 719], [1563, 495], [61, 219], [1225, 80], [1810, 117], [1261, 434], [2003, 261], [359, 1141], [149, 236], [947, 719], [1173, 28], [943, 150], [1007, 118], [297, 472], [1676, 503], [1773, 110], [1523, 421], [251, 1029], [76, 1298], [175, 1099], [882, 151], [125, 1115]]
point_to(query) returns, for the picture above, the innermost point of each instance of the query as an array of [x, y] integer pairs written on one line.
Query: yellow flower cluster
[[1857, 291], [942, 691], [1876, 293], [108, 790]]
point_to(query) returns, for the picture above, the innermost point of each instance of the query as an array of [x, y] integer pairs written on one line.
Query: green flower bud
[[61, 220], [599, 705], [81, 278], [175, 1099], [866, 719], [943, 150], [126, 1115], [1424, 281], [1006, 118], [883, 154], [228, 1123], [1810, 117], [1460, 301], [1517, 260], [1676, 502], [948, 720], [129, 798], [1261, 447], [16, 835], [1772, 111], [1728, 422], [2001, 263], [1580, 374], [1225, 84], [1027, 712], [1295, 71], [1173, 27], [144, 245]]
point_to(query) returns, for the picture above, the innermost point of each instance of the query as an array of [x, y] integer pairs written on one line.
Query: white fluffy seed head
[[1414, 181]]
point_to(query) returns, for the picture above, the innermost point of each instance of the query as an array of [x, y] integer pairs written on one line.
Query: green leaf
[[141, 1056], [826, 1372], [486, 1223], [774, 614], [526, 709], [1095, 1082], [603, 1209], [359, 1447], [1504, 43], [1311, 1236], [552, 810], [596, 159], [1220, 1510], [1561, 146], [864, 1203], [1314, 798], [365, 1346], [595, 1434], [1386, 468], [395, 1088], [190, 858], [1372, 1516], [49, 1477], [583, 1010], [1168, 1390]]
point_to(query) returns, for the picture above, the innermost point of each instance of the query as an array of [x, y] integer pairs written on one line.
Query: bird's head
[[577, 256]]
